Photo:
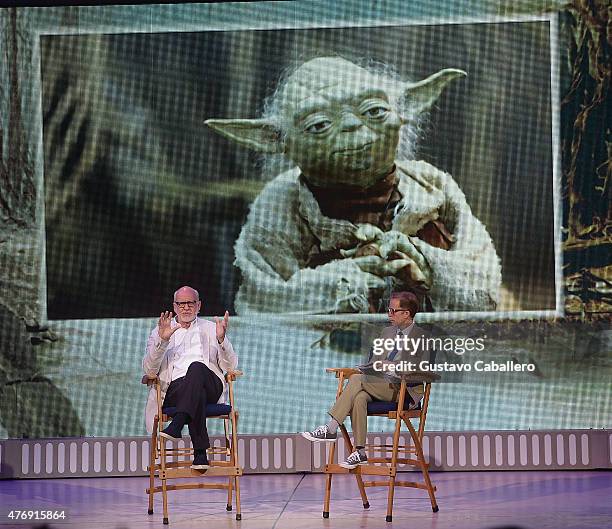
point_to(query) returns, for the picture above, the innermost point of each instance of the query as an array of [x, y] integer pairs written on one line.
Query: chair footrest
[[185, 486], [386, 483], [414, 484], [389, 448], [172, 473], [218, 450], [366, 470], [188, 463], [400, 461]]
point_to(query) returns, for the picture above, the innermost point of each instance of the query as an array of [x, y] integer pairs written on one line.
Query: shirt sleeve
[[228, 359], [154, 353]]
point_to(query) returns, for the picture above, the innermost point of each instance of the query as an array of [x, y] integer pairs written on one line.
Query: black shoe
[[355, 459], [200, 462], [320, 434], [172, 431]]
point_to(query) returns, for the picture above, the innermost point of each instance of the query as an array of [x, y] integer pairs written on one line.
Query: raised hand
[[222, 326], [164, 327]]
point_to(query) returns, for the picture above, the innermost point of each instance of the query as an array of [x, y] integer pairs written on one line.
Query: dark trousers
[[190, 394]]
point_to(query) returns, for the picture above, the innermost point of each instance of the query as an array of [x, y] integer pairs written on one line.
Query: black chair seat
[[212, 410], [380, 406]]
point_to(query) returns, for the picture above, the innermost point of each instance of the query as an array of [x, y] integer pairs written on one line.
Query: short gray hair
[[186, 286]]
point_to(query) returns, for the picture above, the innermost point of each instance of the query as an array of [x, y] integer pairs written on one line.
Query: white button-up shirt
[[186, 347]]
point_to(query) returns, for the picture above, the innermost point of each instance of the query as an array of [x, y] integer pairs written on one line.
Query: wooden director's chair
[[161, 469], [412, 455]]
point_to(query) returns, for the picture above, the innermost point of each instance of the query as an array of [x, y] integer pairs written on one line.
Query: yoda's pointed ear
[[423, 94], [257, 134]]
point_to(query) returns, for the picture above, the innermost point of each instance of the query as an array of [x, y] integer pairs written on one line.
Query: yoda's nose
[[349, 122]]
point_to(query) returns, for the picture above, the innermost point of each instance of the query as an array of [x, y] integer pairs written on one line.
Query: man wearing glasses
[[362, 388], [189, 355]]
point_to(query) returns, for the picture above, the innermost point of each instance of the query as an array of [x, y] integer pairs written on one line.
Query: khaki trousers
[[354, 401]]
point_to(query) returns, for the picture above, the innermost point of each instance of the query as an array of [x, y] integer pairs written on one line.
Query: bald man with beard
[[189, 355]]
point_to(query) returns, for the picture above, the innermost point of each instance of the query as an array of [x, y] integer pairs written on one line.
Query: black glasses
[[188, 304], [395, 311]]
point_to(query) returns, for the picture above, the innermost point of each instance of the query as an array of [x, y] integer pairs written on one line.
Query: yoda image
[[354, 216]]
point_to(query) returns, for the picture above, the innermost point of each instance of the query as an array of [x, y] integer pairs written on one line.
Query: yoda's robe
[[285, 229]]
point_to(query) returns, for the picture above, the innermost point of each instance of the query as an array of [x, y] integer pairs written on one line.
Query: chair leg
[[152, 457], [421, 457], [364, 496], [235, 462], [396, 436], [230, 483], [362, 492], [164, 484], [238, 511], [328, 481]]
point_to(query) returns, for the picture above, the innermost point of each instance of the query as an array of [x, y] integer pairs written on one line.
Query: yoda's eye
[[318, 127], [376, 112]]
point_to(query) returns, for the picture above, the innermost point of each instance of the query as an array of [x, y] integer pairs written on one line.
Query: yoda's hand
[[390, 253], [348, 300], [397, 245], [412, 275], [368, 233], [368, 238], [386, 242], [379, 267], [370, 248]]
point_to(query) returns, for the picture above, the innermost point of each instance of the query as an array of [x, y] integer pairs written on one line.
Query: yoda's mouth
[[353, 151]]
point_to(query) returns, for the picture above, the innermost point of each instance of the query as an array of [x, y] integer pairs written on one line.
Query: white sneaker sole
[[168, 436], [200, 467], [306, 435], [351, 467]]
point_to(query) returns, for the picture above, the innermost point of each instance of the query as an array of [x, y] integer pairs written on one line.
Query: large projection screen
[[137, 196]]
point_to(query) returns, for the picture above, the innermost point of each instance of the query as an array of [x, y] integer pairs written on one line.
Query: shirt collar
[[406, 330]]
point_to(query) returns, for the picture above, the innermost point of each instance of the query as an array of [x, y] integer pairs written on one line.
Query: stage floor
[[468, 500]]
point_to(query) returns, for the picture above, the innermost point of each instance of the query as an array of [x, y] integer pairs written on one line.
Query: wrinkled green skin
[[339, 132], [339, 126]]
